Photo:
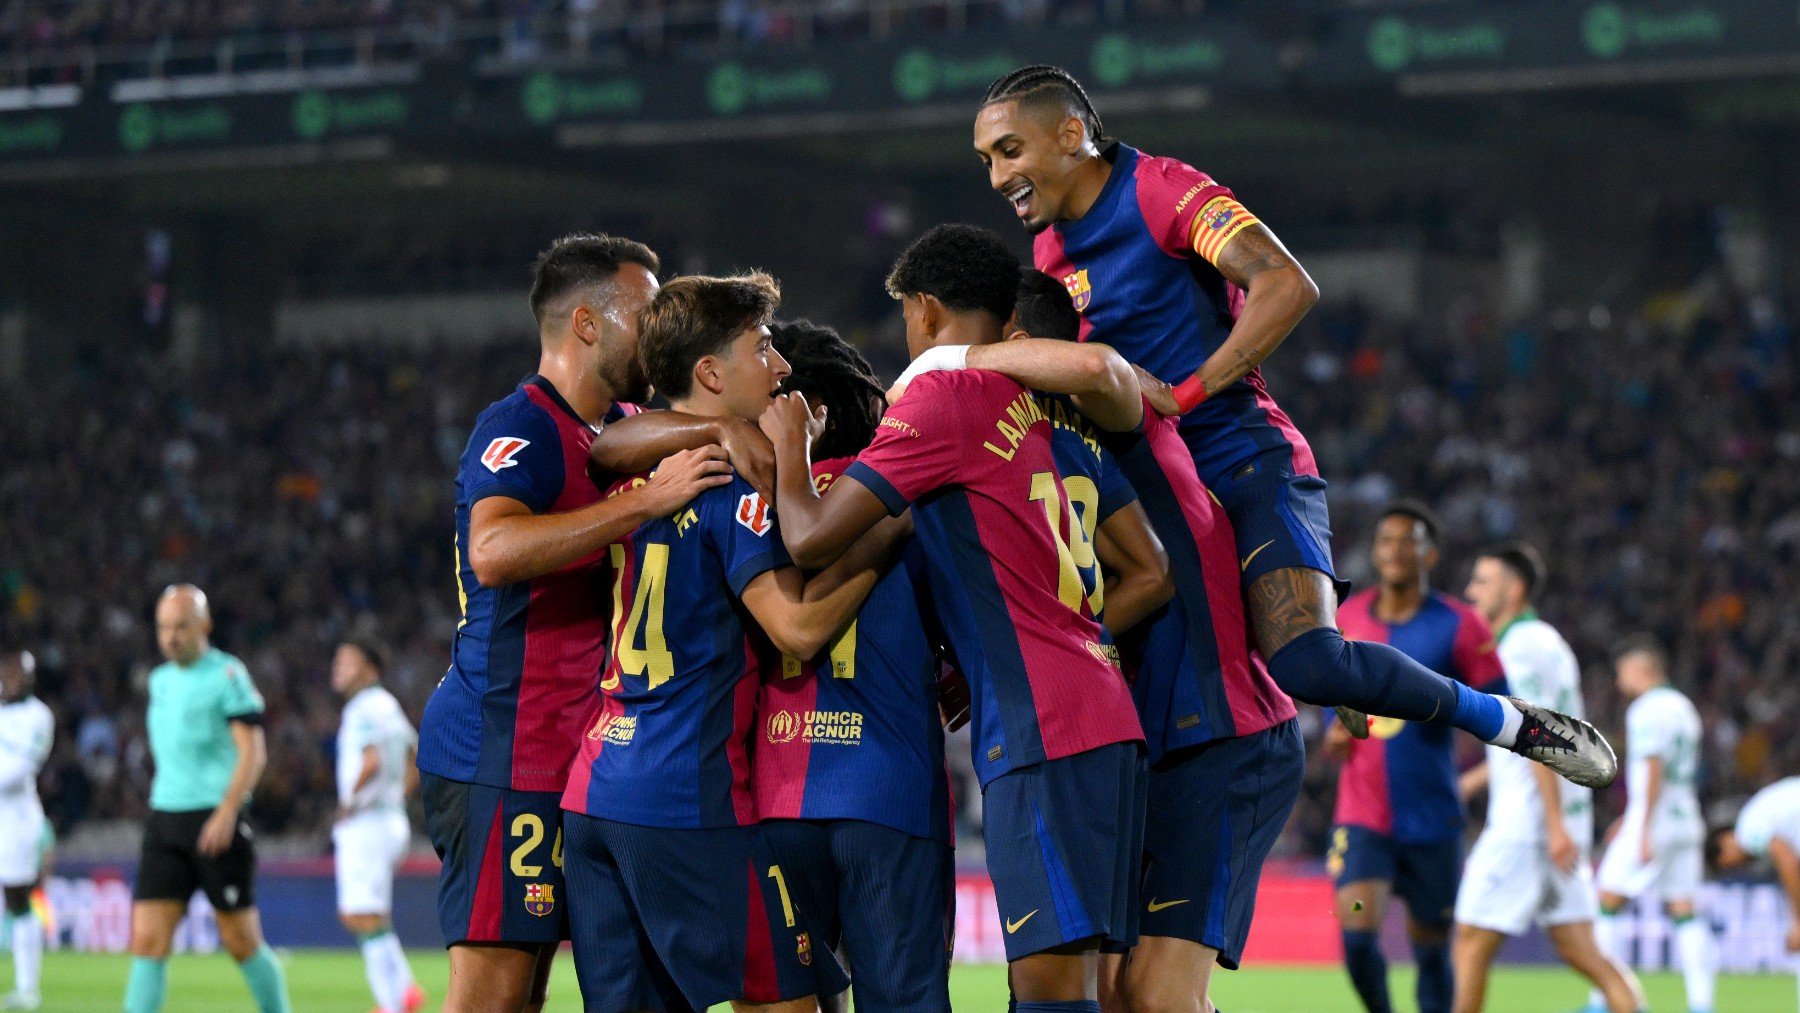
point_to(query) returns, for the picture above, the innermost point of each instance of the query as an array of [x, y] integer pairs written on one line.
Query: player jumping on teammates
[[532, 527], [1056, 740], [375, 773], [1658, 845], [1166, 266], [206, 736], [26, 730], [1399, 815], [1211, 714], [1531, 862]]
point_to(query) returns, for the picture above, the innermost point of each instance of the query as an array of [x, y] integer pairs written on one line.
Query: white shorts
[[21, 842], [1675, 871], [368, 848], [1508, 884]]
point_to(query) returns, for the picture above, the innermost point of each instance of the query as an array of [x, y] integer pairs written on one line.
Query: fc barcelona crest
[[540, 898], [803, 948], [1079, 290]]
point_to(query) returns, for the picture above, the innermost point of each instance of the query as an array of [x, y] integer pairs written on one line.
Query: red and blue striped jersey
[[854, 733], [508, 712], [1140, 266], [970, 451], [669, 743], [1095, 488], [1401, 780], [1196, 676]]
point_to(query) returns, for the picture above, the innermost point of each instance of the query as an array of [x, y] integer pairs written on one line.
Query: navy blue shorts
[[1065, 840], [709, 912], [887, 897], [1279, 516], [502, 875], [1215, 812], [1423, 875]]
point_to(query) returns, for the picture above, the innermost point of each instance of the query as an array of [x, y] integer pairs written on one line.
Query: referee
[[206, 736]]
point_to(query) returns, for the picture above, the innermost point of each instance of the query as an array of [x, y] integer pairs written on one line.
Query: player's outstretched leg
[[1294, 612], [1699, 955], [1576, 945], [240, 933], [27, 949]]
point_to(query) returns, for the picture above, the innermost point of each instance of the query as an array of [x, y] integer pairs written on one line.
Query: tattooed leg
[[1294, 613]]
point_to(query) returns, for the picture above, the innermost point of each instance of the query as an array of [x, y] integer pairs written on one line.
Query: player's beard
[[627, 380]]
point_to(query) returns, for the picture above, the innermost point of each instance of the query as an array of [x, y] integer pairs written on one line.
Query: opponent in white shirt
[[1657, 849], [1769, 827], [1531, 862], [375, 772], [26, 729]]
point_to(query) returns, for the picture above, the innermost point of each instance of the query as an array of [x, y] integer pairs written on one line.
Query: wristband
[[1189, 393], [950, 357]]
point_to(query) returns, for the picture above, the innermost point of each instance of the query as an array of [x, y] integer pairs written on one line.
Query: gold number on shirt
[[843, 657], [787, 903], [531, 827], [1075, 548], [653, 658]]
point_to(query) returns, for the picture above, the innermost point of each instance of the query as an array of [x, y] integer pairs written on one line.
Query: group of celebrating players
[[1078, 521], [694, 717]]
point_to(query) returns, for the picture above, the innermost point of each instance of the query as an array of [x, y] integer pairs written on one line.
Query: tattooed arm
[[1278, 292]]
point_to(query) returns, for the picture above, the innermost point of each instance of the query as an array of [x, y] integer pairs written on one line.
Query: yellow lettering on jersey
[[684, 520], [1023, 411], [653, 658], [462, 596]]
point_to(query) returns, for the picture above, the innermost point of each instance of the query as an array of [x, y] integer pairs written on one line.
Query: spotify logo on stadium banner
[[1390, 44], [1604, 30], [915, 75], [541, 98], [727, 89], [312, 115], [1114, 59], [137, 128]]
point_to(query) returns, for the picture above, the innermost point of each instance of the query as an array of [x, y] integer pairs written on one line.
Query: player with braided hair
[[1168, 267], [863, 833]]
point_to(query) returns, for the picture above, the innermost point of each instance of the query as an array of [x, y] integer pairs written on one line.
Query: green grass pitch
[[331, 981]]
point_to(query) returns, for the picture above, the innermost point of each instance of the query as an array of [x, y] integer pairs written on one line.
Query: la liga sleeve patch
[[500, 452]]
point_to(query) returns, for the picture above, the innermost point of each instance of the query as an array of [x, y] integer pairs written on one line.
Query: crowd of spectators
[[67, 39], [1652, 451]]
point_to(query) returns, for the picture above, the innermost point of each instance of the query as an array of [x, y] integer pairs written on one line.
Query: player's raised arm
[[637, 442], [509, 542], [816, 527], [1277, 293]]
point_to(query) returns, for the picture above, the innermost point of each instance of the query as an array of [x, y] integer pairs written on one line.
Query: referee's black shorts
[[171, 867]]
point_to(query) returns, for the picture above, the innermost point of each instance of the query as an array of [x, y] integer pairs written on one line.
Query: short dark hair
[[581, 260], [696, 316], [1641, 643], [965, 267], [1044, 308], [1042, 84], [1523, 560], [373, 650], [830, 372], [1417, 511]]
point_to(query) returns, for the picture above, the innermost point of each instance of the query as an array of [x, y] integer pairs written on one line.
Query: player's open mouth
[[1021, 199]]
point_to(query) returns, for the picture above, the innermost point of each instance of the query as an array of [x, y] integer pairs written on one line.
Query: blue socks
[[1078, 1006], [1437, 982], [1320, 667], [1368, 970], [268, 983], [147, 986]]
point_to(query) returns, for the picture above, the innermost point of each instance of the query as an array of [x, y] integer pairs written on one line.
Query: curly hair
[[829, 371], [964, 267], [696, 316]]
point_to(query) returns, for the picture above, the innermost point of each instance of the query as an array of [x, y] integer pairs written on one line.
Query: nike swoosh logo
[[1245, 565], [1155, 907], [1012, 926]]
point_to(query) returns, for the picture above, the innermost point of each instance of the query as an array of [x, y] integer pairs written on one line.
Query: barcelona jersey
[[1401, 780], [1140, 266], [508, 712], [1196, 678], [669, 743], [1095, 487], [970, 452], [854, 734]]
